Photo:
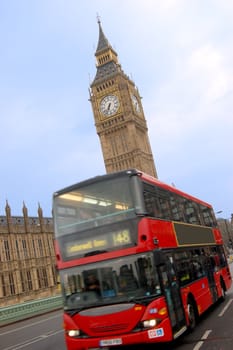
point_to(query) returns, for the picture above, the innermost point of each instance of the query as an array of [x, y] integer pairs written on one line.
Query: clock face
[[136, 104], [109, 105]]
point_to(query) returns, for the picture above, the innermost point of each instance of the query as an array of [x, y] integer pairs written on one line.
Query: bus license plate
[[108, 342]]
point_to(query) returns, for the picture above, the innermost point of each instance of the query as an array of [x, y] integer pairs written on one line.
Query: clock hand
[[109, 105]]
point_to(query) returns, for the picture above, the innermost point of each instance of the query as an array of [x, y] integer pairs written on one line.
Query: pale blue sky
[[178, 52]]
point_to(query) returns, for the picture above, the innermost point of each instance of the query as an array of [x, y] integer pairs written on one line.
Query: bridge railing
[[25, 310]]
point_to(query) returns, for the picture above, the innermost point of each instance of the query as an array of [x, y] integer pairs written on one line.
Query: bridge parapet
[[25, 310]]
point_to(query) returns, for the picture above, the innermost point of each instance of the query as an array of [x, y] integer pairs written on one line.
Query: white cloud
[[206, 64]]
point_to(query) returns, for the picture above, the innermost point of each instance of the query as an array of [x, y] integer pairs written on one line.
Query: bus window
[[147, 276], [157, 202], [151, 201], [127, 281], [208, 216], [196, 264], [166, 215], [72, 283], [221, 255], [92, 283], [217, 257], [176, 207], [183, 267], [190, 212]]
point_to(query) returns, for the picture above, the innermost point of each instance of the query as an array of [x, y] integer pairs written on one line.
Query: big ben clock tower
[[118, 113]]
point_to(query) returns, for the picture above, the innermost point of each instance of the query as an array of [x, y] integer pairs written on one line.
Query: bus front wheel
[[192, 314]]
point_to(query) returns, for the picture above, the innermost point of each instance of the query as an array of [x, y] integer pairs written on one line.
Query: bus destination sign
[[101, 242]]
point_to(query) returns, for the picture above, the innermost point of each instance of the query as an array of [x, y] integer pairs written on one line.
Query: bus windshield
[[93, 204], [118, 280]]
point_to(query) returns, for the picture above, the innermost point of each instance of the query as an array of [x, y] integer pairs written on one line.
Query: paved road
[[38, 333], [214, 332]]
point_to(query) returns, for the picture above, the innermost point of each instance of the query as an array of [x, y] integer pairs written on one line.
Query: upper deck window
[[94, 204], [167, 205]]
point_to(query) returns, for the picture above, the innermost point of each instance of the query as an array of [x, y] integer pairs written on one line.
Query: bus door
[[210, 267], [171, 291]]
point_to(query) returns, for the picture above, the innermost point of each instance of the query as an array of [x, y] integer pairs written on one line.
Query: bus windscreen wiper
[[143, 300], [95, 252]]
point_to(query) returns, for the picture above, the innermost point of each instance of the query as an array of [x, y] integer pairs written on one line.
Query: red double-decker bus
[[139, 260]]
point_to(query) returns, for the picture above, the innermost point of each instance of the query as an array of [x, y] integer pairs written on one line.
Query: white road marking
[[225, 308], [30, 325], [31, 341], [200, 343]]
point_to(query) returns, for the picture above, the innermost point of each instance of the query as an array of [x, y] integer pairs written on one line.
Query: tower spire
[[106, 58], [103, 43]]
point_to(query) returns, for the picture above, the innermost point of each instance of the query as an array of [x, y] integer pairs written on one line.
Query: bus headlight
[[151, 323], [73, 333]]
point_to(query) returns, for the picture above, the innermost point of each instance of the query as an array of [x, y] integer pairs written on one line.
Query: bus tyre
[[192, 314]]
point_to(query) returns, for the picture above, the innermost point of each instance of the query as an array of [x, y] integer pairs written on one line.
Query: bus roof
[[130, 172]]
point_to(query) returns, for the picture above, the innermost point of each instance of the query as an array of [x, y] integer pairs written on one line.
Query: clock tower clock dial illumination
[[109, 105]]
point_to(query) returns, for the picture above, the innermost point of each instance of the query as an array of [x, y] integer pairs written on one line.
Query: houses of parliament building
[[27, 257]]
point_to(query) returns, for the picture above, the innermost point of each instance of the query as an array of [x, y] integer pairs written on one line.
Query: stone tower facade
[[118, 112], [27, 257]]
